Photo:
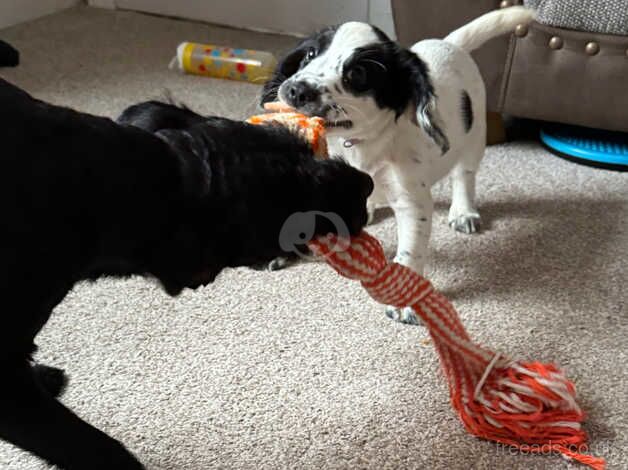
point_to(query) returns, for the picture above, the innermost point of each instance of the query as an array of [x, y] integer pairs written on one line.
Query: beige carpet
[[298, 368]]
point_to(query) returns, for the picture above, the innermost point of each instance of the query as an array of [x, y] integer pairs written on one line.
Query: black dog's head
[[244, 184], [355, 77], [153, 116]]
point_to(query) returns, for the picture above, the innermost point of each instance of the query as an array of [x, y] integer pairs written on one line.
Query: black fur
[[467, 111], [395, 77], [83, 196], [381, 35], [51, 379], [153, 116], [9, 55]]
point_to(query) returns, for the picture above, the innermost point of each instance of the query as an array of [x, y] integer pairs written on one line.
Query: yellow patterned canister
[[225, 62]]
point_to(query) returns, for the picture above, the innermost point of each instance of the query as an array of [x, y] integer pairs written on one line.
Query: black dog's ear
[[193, 157], [153, 116], [423, 103]]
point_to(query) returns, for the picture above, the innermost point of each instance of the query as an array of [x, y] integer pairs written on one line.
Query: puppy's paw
[[278, 263], [52, 379], [370, 212], [467, 223], [404, 315]]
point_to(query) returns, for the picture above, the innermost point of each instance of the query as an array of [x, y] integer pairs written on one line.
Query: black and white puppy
[[82, 197], [407, 117]]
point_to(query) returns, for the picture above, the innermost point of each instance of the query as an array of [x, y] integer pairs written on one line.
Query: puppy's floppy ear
[[193, 157], [423, 100]]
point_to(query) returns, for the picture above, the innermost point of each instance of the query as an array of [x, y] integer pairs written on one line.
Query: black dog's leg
[[32, 419], [51, 379]]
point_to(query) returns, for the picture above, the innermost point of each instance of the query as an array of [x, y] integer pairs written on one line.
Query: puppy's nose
[[301, 93]]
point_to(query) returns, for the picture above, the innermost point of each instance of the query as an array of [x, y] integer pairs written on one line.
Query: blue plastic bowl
[[593, 147]]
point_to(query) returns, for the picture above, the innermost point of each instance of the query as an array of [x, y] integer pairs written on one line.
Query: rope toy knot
[[364, 260]]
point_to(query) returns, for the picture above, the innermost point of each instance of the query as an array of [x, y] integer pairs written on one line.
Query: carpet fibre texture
[[299, 368]]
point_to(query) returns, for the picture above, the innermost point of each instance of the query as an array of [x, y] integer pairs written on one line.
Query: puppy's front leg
[[411, 201], [375, 200]]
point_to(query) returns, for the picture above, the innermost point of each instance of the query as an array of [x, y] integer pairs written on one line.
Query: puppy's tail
[[472, 35]]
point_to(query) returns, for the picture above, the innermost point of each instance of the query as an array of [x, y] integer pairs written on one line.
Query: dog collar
[[351, 142]]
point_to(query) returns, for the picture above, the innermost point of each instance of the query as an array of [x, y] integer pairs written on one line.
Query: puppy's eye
[[357, 78], [311, 53]]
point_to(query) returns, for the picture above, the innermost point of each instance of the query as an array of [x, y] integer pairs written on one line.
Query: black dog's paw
[[116, 457], [103, 453], [52, 379]]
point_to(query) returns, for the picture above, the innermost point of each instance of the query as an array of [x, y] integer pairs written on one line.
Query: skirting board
[[18, 11], [296, 17]]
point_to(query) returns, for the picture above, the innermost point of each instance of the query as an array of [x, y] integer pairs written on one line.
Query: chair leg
[[495, 130]]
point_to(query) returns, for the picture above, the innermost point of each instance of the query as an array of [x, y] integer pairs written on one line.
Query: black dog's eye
[[357, 78]]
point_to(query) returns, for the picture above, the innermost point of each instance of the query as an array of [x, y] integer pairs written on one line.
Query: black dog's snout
[[301, 93]]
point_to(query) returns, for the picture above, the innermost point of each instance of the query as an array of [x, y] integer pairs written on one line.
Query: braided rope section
[[311, 129], [527, 405]]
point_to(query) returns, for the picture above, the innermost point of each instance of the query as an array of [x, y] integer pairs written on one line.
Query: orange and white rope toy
[[528, 405], [312, 129]]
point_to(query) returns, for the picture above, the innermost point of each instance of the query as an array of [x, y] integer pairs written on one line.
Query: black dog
[[83, 197], [9, 56]]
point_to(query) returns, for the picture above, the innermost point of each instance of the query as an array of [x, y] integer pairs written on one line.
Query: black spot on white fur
[[467, 111]]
